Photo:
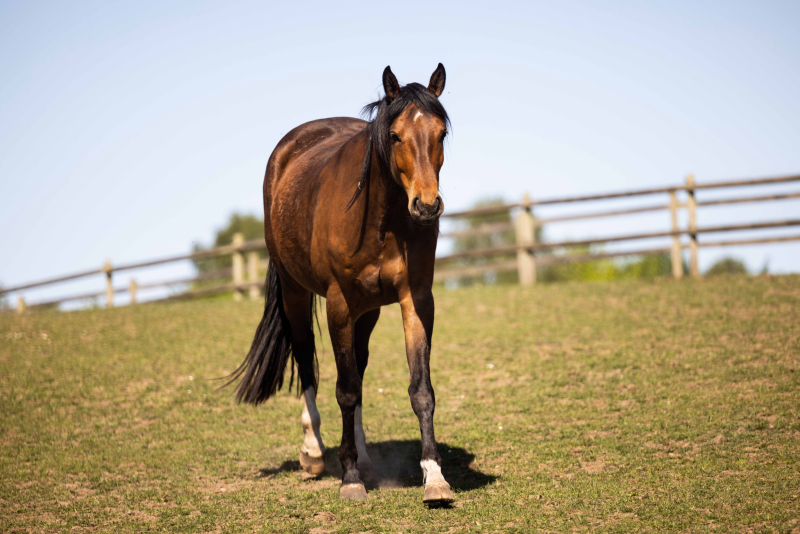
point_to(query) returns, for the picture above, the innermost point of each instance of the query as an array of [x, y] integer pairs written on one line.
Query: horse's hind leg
[[312, 451], [362, 331], [298, 305]]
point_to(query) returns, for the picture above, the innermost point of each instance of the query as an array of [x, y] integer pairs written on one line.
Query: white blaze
[[418, 115], [312, 442]]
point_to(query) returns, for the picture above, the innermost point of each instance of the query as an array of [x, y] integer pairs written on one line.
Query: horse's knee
[[348, 396], [423, 400]]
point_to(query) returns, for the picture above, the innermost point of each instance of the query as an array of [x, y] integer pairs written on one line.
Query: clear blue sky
[[130, 130]]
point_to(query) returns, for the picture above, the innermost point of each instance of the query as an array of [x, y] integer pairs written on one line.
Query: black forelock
[[381, 114]]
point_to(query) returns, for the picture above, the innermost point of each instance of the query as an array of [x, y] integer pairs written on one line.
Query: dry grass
[[630, 406]]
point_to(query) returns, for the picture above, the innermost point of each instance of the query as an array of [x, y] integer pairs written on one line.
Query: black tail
[[262, 370]]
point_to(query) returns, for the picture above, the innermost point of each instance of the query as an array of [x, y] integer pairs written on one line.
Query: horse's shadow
[[395, 464]]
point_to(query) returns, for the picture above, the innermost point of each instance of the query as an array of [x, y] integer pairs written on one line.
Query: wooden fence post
[[109, 285], [21, 307], [252, 274], [677, 257], [525, 231], [691, 204], [238, 266], [132, 287]]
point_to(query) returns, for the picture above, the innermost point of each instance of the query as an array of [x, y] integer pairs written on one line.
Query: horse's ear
[[390, 85], [436, 85]]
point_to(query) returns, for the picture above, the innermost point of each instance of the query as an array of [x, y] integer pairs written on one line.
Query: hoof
[[352, 492], [438, 493], [312, 465]]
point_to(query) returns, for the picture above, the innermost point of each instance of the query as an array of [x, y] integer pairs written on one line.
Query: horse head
[[407, 136], [416, 140]]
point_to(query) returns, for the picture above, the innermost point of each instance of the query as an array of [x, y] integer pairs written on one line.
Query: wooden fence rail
[[244, 275], [621, 194], [526, 250], [505, 249]]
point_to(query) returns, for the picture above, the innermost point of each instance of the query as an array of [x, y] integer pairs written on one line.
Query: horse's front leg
[[417, 308], [348, 392]]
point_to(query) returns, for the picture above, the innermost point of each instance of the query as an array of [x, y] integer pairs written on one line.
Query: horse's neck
[[387, 202]]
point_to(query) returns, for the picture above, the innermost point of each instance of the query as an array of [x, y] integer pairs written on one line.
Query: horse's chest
[[378, 281], [368, 279]]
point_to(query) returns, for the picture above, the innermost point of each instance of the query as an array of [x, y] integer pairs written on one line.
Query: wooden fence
[[530, 254], [234, 275], [245, 274]]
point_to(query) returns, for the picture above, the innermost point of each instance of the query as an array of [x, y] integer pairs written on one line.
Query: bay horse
[[351, 213]]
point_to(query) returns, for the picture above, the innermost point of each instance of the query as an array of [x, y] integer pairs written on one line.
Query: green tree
[[249, 225], [727, 265], [601, 269], [648, 266], [493, 239]]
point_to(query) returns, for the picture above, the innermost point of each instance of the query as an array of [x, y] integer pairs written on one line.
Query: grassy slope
[[623, 406]]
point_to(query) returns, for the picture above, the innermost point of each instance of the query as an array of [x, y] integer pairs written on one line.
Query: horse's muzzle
[[426, 214]]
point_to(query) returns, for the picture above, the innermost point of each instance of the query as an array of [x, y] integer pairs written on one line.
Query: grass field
[[618, 407]]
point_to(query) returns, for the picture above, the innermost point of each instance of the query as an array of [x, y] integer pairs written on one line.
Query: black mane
[[385, 112]]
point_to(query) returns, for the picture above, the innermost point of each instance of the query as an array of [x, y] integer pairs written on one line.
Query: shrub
[[249, 225], [727, 265]]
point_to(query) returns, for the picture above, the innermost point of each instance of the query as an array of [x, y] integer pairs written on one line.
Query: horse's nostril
[[418, 205], [436, 204]]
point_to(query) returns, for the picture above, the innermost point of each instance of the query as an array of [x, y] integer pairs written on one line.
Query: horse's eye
[[394, 137], [441, 137]]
